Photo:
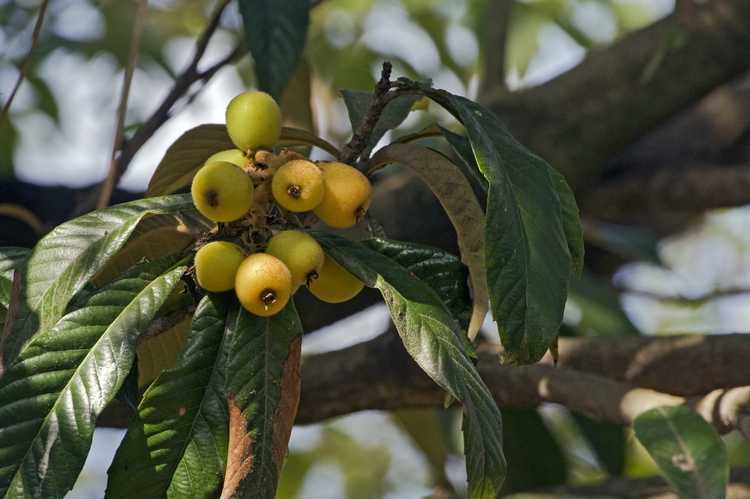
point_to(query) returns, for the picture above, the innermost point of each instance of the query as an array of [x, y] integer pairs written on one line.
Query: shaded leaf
[[275, 32], [263, 389], [455, 194], [571, 220], [10, 258], [296, 136], [527, 257], [357, 103], [161, 351], [462, 147], [177, 444], [435, 341], [52, 395], [607, 441], [439, 269], [535, 458], [186, 154], [68, 256], [687, 449]]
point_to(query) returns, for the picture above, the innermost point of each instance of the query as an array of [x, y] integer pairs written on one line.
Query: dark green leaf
[[276, 31], [441, 270], [52, 395], [10, 259], [435, 341], [687, 449], [396, 111], [607, 441], [535, 458], [177, 445], [185, 156], [571, 220], [72, 253], [454, 193], [528, 261], [462, 147], [263, 387]]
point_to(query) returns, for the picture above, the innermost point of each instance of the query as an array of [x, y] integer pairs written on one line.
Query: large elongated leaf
[[263, 388], [688, 451], [434, 339], [441, 270], [177, 445], [275, 31], [50, 398], [455, 194], [527, 254], [65, 259], [357, 104]]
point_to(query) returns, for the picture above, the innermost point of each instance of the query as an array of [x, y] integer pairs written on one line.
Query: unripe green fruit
[[298, 185], [335, 284], [347, 195], [263, 284], [300, 252], [222, 192], [253, 121], [216, 265], [234, 156]]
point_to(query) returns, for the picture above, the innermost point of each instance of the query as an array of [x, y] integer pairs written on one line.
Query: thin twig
[[385, 92], [27, 60], [135, 41]]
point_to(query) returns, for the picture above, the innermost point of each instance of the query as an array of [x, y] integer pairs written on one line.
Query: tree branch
[[379, 374], [182, 84], [586, 116], [692, 190], [496, 36], [113, 175]]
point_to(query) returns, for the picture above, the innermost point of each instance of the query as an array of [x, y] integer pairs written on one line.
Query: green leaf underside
[[357, 103], [687, 449], [441, 270], [185, 156], [255, 384], [10, 259], [50, 398], [65, 259], [275, 33], [454, 192], [527, 255], [177, 444], [468, 165], [434, 339]]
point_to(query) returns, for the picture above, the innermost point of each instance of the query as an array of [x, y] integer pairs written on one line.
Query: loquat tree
[[239, 218]]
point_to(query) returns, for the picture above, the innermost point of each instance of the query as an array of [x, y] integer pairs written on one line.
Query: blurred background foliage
[[60, 129]]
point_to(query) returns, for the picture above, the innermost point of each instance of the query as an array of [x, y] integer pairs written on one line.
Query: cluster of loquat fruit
[[256, 194]]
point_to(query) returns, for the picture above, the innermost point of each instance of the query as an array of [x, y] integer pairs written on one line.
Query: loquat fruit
[[346, 197], [263, 284], [216, 265], [222, 191], [253, 120], [298, 185], [300, 252], [335, 284]]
